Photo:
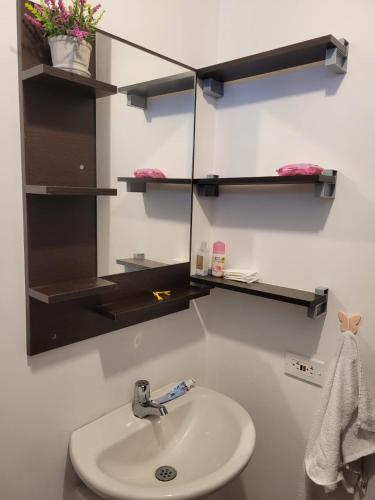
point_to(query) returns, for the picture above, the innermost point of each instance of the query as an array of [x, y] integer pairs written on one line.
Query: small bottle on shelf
[[218, 259], [202, 260]]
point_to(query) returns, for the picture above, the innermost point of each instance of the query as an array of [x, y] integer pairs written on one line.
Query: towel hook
[[349, 322]]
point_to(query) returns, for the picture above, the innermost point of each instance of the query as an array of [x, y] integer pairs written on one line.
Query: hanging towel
[[343, 432]]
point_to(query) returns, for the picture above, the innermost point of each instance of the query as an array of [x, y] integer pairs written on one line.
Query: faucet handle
[[142, 391]]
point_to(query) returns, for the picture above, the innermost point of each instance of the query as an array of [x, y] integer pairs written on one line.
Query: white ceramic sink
[[207, 437]]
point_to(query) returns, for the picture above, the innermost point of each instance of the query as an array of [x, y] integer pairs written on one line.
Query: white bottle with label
[[201, 268]]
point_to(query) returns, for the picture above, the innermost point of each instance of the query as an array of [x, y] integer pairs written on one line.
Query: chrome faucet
[[143, 406]]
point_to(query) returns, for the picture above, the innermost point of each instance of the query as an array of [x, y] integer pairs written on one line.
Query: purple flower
[[96, 8], [80, 34], [82, 2], [63, 11], [33, 21]]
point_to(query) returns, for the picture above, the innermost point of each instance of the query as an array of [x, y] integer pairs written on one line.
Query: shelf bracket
[[213, 88], [208, 190], [137, 101], [318, 307], [336, 60], [135, 187], [326, 189]]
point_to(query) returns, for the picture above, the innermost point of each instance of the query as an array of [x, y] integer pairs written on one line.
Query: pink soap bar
[[300, 169], [154, 173]]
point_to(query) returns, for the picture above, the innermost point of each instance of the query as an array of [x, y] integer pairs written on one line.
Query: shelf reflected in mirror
[[158, 134]]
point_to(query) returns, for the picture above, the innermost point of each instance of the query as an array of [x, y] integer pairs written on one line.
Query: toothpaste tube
[[177, 391]]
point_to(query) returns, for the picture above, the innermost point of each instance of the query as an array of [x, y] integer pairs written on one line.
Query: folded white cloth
[[344, 429], [244, 275]]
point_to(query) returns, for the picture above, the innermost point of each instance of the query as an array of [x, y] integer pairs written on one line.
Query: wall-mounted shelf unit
[[146, 302], [45, 74], [139, 93], [134, 264], [139, 184], [69, 290], [69, 191], [58, 118], [324, 184], [325, 49], [316, 303]]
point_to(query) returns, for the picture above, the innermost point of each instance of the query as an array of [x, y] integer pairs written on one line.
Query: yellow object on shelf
[[159, 295]]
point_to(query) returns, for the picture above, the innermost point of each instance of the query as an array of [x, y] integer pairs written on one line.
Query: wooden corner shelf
[[44, 73], [63, 291], [210, 186], [69, 191], [139, 184], [161, 86], [315, 304], [144, 302], [282, 58], [139, 264]]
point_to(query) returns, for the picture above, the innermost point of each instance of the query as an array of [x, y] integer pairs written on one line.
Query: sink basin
[[206, 437]]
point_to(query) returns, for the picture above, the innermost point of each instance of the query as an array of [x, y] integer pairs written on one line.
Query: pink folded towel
[[300, 169], [154, 173]]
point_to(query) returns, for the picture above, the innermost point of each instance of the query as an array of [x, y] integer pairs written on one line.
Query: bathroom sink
[[207, 438]]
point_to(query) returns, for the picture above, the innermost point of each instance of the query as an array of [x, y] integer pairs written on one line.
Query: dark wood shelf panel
[[273, 179], [139, 184], [210, 185], [138, 264], [48, 74], [146, 302], [299, 297], [70, 191], [72, 289], [161, 86], [282, 58]]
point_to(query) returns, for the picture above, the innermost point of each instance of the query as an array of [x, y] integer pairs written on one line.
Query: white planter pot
[[71, 54]]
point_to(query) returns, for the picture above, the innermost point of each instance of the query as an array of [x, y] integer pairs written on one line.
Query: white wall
[[45, 397], [292, 238], [184, 31]]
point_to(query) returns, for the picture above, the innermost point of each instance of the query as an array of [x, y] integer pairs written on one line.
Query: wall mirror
[[149, 124]]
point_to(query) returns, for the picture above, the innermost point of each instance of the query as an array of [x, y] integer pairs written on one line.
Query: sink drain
[[165, 473]]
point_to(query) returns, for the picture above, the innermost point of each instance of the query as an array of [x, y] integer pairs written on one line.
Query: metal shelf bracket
[[213, 88], [136, 187], [137, 101], [326, 189], [318, 307], [336, 60]]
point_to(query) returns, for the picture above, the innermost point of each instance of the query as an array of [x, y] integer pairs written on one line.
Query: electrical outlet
[[311, 370]]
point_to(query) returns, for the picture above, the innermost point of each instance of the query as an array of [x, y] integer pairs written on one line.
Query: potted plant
[[70, 31]]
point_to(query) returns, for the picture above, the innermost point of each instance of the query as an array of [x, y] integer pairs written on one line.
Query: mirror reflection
[[146, 129]]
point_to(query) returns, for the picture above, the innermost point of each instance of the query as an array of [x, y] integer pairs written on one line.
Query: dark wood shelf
[[69, 191], [210, 185], [139, 264], [48, 74], [146, 302], [139, 184], [67, 290], [290, 56], [161, 86], [314, 303]]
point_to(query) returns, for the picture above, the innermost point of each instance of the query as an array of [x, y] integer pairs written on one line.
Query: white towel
[[244, 275], [344, 429]]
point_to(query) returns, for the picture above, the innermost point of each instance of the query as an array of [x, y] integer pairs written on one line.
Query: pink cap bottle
[[218, 259]]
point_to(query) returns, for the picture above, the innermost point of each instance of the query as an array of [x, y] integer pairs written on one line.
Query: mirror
[[139, 230]]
